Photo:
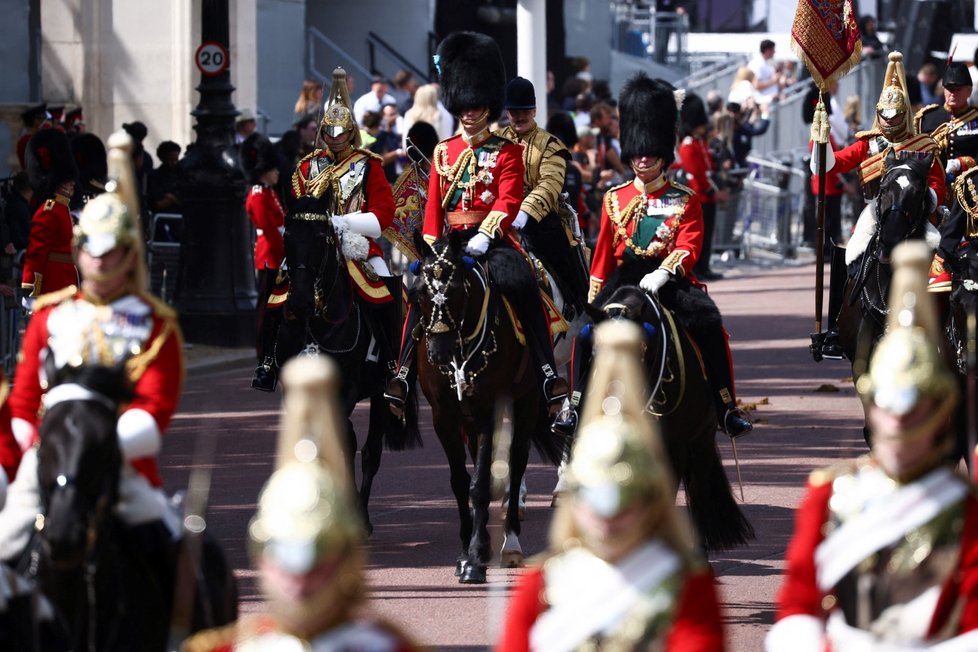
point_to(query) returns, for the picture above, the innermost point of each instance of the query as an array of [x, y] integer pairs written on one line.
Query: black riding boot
[[837, 282], [266, 373], [565, 423], [400, 388], [541, 349], [732, 419]]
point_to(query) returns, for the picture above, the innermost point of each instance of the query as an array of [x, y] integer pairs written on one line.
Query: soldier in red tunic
[[260, 163], [622, 571], [476, 187], [885, 550], [48, 265], [651, 235], [307, 541], [346, 184], [111, 319]]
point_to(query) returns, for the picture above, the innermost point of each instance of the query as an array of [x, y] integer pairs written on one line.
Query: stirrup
[[266, 376], [831, 349], [555, 391], [396, 394], [565, 423], [736, 423]]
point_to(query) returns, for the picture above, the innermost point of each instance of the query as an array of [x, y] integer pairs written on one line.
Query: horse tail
[[718, 518], [399, 435]]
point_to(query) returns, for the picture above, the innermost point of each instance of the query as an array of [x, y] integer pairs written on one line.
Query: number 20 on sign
[[211, 58]]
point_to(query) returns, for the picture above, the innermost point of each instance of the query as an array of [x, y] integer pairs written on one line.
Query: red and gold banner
[[826, 38]]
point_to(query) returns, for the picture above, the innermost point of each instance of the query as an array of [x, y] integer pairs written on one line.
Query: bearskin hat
[[258, 156], [648, 115], [471, 73], [49, 162], [693, 114], [92, 161]]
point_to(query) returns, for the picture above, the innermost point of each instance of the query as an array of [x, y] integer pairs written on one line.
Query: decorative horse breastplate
[[80, 332]]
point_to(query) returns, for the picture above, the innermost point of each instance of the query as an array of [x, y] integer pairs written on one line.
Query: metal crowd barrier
[[163, 253]]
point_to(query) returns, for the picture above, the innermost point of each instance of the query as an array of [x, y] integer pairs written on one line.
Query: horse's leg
[[479, 551], [446, 423], [525, 417], [371, 453]]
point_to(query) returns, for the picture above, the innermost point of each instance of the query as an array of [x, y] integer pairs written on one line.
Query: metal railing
[[641, 31], [375, 42], [316, 39]]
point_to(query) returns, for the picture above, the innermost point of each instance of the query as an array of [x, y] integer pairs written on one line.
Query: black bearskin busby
[[957, 74], [258, 156], [648, 115], [471, 73], [49, 162], [693, 114], [92, 162], [423, 139]]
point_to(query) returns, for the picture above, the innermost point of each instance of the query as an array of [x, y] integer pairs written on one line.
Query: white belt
[[260, 231]]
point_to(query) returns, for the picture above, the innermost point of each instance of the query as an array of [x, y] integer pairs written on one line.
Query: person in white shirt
[[767, 80], [374, 100]]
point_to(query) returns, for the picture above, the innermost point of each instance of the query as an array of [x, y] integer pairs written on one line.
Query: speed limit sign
[[211, 58]]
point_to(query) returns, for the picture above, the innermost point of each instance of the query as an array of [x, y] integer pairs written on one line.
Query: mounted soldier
[[651, 235], [345, 184], [883, 553], [306, 540], [476, 187], [954, 126], [110, 320], [548, 226], [893, 131]]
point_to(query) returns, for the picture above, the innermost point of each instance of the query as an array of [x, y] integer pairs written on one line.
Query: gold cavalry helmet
[[338, 110], [894, 101], [619, 457], [307, 509], [112, 219], [906, 366]]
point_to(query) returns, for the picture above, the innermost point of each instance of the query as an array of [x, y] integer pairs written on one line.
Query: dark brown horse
[[112, 582], [469, 358], [681, 400], [323, 316]]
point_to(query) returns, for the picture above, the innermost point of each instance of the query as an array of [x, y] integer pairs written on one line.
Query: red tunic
[[833, 177], [266, 213], [10, 452], [49, 249], [800, 594], [853, 156], [678, 244], [696, 625], [156, 373], [696, 160], [491, 199], [370, 195]]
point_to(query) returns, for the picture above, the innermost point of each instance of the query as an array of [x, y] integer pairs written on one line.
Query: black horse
[[963, 265], [681, 400], [323, 315], [470, 356], [113, 583], [900, 215]]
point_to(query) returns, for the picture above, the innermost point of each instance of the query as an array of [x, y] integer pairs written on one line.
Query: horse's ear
[[422, 245], [596, 314], [890, 158]]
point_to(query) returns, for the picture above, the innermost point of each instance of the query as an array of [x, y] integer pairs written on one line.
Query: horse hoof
[[511, 559], [473, 574]]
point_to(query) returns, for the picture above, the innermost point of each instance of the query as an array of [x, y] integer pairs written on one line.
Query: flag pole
[[820, 129]]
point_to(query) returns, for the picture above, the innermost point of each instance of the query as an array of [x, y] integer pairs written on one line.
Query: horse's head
[[902, 201], [79, 459], [312, 254], [444, 294], [630, 303]]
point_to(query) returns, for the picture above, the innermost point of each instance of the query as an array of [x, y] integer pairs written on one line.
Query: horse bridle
[[441, 321]]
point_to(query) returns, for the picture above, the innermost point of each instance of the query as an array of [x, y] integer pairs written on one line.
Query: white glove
[[27, 303], [953, 166], [340, 223], [829, 158], [653, 281], [366, 224], [521, 219], [478, 245]]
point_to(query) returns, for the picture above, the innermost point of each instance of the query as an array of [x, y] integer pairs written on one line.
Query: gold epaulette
[[618, 187], [211, 639], [50, 204], [966, 191], [869, 133], [918, 117], [825, 475], [137, 365], [54, 298], [505, 139], [368, 153], [161, 309], [679, 186]]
